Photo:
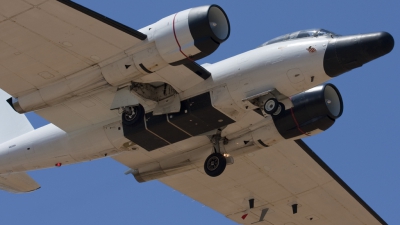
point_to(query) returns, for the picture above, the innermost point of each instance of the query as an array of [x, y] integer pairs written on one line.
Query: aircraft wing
[[44, 41], [47, 42], [280, 178], [82, 112], [94, 107]]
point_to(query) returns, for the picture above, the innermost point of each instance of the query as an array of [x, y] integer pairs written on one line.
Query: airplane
[[180, 118]]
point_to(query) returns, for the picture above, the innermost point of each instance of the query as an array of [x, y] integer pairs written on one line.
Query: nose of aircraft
[[345, 53]]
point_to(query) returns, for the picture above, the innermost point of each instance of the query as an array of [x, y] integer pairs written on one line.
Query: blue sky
[[362, 147]]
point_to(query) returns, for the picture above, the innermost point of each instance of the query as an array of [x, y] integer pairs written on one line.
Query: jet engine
[[313, 110], [177, 39], [190, 34]]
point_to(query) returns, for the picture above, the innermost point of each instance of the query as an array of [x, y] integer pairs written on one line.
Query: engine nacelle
[[313, 110], [190, 34]]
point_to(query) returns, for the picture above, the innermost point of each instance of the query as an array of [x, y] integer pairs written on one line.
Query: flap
[[82, 112], [18, 183], [283, 184], [92, 109]]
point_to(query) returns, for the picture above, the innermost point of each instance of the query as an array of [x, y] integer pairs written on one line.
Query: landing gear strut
[[216, 162]]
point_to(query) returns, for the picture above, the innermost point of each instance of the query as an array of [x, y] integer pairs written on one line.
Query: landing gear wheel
[[271, 105], [132, 114], [215, 164], [280, 109]]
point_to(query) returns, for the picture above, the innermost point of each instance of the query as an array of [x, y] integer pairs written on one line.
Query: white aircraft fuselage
[[139, 97], [243, 75], [287, 68]]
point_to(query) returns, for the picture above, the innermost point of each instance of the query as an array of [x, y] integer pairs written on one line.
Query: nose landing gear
[[273, 107]]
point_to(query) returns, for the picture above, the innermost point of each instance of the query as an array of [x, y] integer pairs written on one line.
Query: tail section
[[18, 183], [12, 124]]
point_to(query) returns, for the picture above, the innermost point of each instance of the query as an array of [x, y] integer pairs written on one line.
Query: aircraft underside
[[145, 102]]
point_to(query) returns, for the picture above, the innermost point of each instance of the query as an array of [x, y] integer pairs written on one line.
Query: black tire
[[281, 108], [270, 106], [215, 164], [130, 120]]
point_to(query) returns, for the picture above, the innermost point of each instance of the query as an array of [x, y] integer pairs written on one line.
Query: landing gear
[[281, 108], [132, 114], [273, 107], [215, 164]]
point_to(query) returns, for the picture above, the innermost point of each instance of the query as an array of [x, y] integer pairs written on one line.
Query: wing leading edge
[[55, 39], [105, 19], [60, 41]]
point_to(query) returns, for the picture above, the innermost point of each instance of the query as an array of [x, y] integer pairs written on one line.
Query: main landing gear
[[215, 163], [273, 107], [131, 114]]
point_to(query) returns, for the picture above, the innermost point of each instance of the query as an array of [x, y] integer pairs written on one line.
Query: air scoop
[[345, 53]]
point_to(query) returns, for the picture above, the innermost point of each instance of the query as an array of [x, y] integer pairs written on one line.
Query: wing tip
[[324, 166]]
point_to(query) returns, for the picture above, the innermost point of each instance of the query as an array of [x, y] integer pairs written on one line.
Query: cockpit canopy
[[301, 34]]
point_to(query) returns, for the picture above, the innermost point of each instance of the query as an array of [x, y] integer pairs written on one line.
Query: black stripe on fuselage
[[194, 67], [144, 68], [198, 70], [262, 143]]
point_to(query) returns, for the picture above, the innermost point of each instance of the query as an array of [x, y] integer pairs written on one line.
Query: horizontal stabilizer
[[18, 183]]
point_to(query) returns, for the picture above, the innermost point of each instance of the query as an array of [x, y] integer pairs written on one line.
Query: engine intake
[[313, 110], [191, 34]]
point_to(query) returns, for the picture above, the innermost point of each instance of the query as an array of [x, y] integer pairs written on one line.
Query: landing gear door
[[171, 104], [124, 97]]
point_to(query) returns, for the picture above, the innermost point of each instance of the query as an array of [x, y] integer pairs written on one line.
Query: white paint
[[63, 90], [253, 72], [49, 145], [165, 38], [12, 124]]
